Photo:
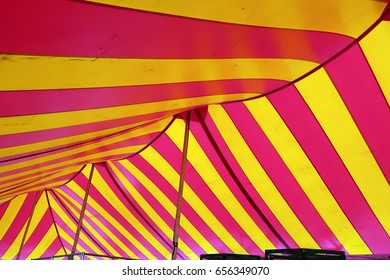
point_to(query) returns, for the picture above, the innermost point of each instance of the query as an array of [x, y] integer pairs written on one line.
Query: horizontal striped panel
[[50, 121], [53, 179], [93, 98], [73, 163], [100, 129], [111, 143], [51, 72], [342, 16], [120, 28], [133, 132]]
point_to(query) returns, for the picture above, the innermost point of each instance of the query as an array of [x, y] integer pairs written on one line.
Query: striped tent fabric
[[272, 117]]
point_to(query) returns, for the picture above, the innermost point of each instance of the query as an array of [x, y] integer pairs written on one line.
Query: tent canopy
[[286, 102]]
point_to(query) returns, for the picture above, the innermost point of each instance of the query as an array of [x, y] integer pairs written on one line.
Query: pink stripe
[[210, 151], [65, 227], [3, 208], [171, 193], [17, 224], [97, 230], [37, 234], [170, 152], [88, 233], [132, 33], [282, 178], [52, 249], [327, 162], [360, 91], [143, 218], [64, 100], [173, 156], [98, 195]]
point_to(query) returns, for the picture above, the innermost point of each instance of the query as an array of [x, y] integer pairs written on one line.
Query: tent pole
[[181, 185], [84, 206], [27, 226]]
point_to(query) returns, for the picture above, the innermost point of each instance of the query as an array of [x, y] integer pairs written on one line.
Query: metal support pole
[[28, 225], [84, 206], [181, 185]]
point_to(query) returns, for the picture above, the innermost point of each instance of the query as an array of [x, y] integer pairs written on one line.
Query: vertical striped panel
[[280, 175], [306, 175], [259, 178], [299, 119], [154, 240], [334, 117], [191, 198], [207, 171], [376, 49]]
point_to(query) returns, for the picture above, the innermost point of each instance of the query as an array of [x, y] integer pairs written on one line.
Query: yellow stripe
[[20, 72], [137, 129], [217, 185], [376, 47], [330, 111], [190, 196], [15, 246], [41, 248], [22, 124], [102, 186], [260, 179], [105, 190], [144, 205], [350, 17], [10, 214], [71, 224], [75, 209], [306, 175], [39, 211], [163, 200], [94, 157]]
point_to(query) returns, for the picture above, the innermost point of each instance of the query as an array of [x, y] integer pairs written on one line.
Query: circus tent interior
[[158, 130]]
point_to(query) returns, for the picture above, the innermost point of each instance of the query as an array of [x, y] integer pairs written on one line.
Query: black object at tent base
[[304, 254]]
